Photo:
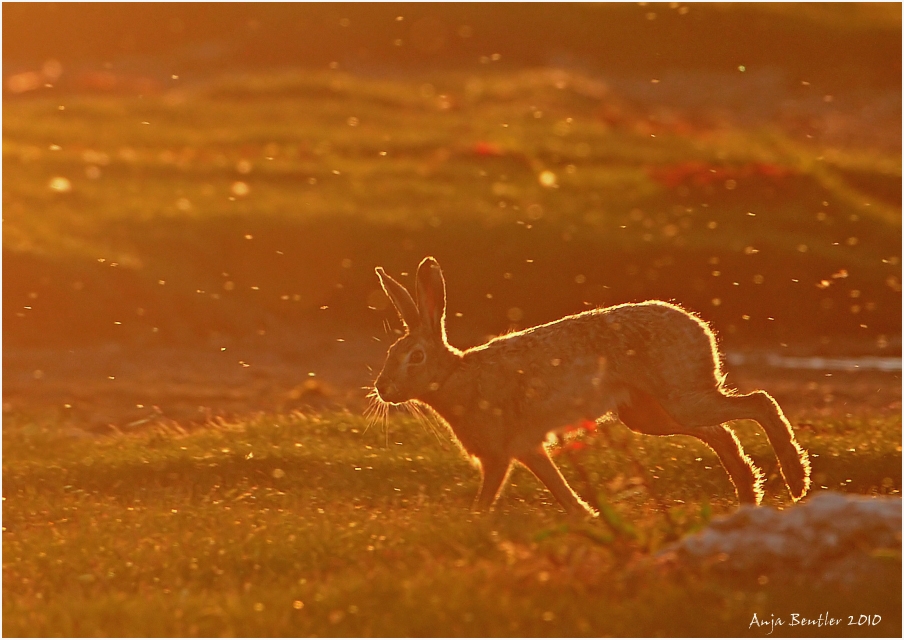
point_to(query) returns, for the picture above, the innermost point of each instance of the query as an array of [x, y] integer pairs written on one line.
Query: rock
[[831, 537]]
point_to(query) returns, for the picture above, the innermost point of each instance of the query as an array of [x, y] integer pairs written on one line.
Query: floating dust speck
[[534, 212], [60, 184]]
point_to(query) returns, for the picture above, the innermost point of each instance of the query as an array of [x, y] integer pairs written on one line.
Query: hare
[[653, 364]]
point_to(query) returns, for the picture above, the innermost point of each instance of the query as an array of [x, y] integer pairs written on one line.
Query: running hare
[[653, 364]]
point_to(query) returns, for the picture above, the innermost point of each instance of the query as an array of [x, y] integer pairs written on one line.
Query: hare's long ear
[[431, 296], [401, 299]]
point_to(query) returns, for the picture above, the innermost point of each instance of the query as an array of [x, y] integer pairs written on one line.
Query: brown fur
[[653, 364]]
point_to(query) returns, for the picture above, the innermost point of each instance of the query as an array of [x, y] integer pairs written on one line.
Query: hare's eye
[[416, 357]]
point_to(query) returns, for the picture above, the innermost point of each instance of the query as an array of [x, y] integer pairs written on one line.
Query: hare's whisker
[[424, 418]]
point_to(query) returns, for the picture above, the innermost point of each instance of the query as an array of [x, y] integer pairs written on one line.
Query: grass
[[249, 204], [299, 183], [318, 525]]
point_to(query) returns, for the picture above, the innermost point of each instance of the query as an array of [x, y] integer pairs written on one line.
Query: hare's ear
[[431, 296], [401, 299]]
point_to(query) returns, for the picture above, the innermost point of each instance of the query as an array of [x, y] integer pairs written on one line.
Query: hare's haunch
[[652, 364]]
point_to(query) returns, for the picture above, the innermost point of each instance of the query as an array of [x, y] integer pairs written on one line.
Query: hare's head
[[421, 359]]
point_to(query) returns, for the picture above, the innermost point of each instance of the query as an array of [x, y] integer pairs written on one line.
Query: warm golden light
[[221, 419]]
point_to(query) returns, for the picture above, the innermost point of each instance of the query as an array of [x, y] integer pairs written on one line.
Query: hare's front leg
[[493, 471], [548, 473]]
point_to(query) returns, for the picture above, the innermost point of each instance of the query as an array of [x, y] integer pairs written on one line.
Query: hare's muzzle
[[388, 392]]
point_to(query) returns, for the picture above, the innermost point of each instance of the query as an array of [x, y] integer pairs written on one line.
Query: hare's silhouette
[[653, 364]]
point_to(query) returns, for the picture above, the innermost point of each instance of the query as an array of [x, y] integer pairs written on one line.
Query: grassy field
[[224, 206], [190, 307], [303, 525]]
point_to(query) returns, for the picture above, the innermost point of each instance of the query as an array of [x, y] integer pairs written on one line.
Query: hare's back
[[653, 346], [661, 348]]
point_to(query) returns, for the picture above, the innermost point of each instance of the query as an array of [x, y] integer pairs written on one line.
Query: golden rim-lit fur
[[653, 364]]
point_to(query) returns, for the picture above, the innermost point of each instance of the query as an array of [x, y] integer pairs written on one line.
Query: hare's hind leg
[[548, 473], [645, 415], [746, 476], [716, 407]]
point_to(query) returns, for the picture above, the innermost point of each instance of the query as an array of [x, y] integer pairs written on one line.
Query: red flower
[[583, 425], [576, 445], [482, 148]]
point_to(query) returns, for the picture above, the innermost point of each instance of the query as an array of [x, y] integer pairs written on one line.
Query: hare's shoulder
[[556, 339], [534, 336]]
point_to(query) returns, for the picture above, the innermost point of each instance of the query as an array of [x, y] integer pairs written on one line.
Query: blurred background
[[195, 195]]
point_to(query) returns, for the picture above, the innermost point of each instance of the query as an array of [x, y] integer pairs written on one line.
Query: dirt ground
[[114, 387]]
